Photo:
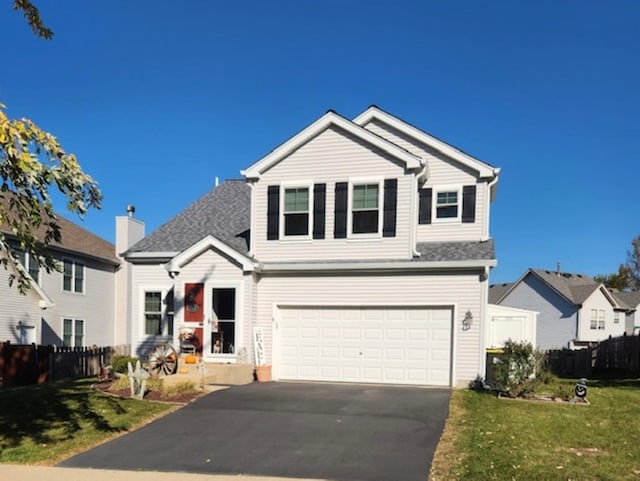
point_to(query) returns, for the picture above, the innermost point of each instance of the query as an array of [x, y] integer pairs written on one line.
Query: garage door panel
[[399, 345]]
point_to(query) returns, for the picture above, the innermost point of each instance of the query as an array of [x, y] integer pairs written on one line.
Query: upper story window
[[597, 319], [31, 265], [365, 209], [296, 211], [447, 204], [73, 276], [616, 317]]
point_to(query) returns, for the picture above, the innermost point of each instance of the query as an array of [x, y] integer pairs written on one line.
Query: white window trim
[[164, 318], [27, 265], [239, 324], [361, 181], [434, 207], [600, 316], [74, 265], [295, 185], [74, 320]]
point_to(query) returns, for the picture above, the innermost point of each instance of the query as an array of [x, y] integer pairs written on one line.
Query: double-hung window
[[72, 276], [597, 319], [365, 208], [30, 263], [72, 332], [296, 211], [447, 206], [153, 313]]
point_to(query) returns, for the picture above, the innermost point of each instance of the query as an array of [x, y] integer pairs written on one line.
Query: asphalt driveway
[[300, 430]]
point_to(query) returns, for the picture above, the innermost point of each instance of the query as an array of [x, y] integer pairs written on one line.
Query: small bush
[[516, 369], [119, 363]]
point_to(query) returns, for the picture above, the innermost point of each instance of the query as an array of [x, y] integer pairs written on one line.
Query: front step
[[215, 373]]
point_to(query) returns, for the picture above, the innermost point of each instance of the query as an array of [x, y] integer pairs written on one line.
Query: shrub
[[516, 369], [119, 363]]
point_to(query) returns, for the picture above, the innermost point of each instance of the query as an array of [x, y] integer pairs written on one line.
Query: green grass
[[487, 438], [46, 423]]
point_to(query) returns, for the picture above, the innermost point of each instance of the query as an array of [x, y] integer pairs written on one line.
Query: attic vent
[[548, 272]]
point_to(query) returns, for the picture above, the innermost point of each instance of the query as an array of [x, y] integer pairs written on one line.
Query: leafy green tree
[[617, 280], [628, 276], [632, 267], [33, 164]]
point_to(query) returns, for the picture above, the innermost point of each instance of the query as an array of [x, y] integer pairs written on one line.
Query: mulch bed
[[177, 398]]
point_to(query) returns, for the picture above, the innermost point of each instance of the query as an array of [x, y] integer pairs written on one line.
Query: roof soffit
[[323, 123]]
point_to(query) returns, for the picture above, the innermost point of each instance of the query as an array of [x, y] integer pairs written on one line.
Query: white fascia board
[[377, 266], [150, 256], [320, 125], [209, 242], [484, 170]]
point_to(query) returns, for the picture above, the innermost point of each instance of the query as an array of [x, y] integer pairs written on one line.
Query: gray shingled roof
[[496, 292], [630, 300], [223, 212], [576, 288], [455, 251]]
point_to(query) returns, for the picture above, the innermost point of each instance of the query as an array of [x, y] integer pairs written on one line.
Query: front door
[[221, 341]]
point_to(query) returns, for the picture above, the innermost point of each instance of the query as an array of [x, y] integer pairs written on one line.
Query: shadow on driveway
[[301, 430]]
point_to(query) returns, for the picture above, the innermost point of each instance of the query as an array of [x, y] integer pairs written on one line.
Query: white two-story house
[[359, 248], [73, 307]]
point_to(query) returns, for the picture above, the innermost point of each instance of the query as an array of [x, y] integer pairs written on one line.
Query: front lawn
[[46, 423], [487, 438]]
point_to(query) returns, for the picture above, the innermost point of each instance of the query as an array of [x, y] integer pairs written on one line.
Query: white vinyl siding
[[15, 307], [95, 306], [442, 171], [333, 156], [461, 292], [598, 311], [210, 268]]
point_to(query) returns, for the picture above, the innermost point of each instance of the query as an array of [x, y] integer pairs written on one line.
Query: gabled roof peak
[[329, 119]]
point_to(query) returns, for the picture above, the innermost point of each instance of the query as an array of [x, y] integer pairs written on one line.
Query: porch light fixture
[[467, 321]]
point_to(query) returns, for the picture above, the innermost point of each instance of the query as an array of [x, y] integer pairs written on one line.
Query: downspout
[[490, 186], [484, 307], [419, 179], [251, 216]]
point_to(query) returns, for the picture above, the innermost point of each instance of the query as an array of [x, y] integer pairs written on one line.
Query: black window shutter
[[319, 198], [390, 201], [340, 223], [424, 209], [469, 204], [273, 212]]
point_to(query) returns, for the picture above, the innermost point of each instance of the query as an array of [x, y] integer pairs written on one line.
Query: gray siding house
[[574, 310], [74, 307]]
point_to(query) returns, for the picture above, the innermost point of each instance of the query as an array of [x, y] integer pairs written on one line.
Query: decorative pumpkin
[[190, 359]]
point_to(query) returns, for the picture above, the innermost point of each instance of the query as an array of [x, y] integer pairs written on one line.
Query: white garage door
[[396, 345]]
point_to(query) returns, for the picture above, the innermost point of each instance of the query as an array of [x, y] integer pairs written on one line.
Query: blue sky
[[158, 98]]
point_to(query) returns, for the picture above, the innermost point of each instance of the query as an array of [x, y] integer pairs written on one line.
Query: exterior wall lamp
[[467, 321]]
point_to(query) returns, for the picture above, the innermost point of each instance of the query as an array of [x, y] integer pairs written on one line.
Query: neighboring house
[[73, 307], [359, 249], [573, 309], [630, 300]]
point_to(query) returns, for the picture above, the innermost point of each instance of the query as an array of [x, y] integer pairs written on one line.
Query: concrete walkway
[[16, 472]]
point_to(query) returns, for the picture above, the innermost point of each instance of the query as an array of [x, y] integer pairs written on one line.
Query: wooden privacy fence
[[621, 354], [31, 364]]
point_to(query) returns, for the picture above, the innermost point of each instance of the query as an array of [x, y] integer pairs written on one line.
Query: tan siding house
[[358, 249]]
